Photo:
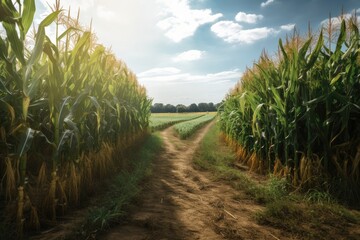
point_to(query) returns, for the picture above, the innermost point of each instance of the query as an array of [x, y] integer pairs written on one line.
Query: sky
[[192, 51]]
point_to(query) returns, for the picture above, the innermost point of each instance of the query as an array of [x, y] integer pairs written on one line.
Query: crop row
[[186, 129], [299, 115], [68, 109], [159, 121]]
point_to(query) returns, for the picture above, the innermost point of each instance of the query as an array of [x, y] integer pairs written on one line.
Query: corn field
[[297, 114], [68, 111], [188, 128], [159, 121]]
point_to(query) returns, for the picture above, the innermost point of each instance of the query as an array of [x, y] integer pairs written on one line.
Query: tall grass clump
[[297, 115], [68, 111]]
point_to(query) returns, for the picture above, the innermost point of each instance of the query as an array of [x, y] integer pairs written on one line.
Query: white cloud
[[107, 14], [166, 71], [180, 21], [233, 32], [174, 75], [287, 27], [336, 21], [248, 18], [264, 4], [187, 88], [190, 55]]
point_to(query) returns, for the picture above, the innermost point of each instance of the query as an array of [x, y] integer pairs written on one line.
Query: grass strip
[[215, 156]]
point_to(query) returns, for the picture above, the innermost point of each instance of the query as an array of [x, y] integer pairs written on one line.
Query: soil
[[180, 202]]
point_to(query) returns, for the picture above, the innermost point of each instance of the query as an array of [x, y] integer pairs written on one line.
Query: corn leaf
[[25, 141], [28, 14], [15, 42]]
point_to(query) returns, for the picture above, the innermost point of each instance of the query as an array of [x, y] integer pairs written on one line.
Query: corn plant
[[68, 107], [299, 113]]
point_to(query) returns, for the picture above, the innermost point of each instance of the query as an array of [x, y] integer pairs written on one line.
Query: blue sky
[[192, 51]]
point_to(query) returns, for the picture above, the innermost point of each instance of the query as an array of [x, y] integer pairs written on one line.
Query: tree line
[[180, 108]]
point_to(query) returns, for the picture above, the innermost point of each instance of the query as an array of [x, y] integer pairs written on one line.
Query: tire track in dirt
[[179, 202]]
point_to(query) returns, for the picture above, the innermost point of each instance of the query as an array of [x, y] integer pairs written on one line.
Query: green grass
[[159, 121], [308, 216], [124, 188], [186, 129], [215, 156]]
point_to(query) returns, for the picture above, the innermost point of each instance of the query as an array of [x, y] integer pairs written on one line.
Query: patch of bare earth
[[179, 202]]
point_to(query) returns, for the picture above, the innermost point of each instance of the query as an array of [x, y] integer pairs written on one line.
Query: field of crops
[[68, 111], [186, 129], [298, 115], [160, 121]]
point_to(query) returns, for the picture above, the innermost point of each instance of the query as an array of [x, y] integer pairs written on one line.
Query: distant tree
[[158, 108], [203, 107], [180, 108], [211, 107], [169, 108], [193, 108]]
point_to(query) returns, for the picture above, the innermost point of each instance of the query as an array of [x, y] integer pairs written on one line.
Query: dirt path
[[179, 202]]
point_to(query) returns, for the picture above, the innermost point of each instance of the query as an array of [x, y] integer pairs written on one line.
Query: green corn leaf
[[40, 37], [62, 141], [356, 106], [8, 12], [38, 48], [278, 100], [111, 89], [349, 50], [304, 49], [66, 32], [255, 115], [48, 50], [34, 84], [98, 111], [283, 51], [35, 56], [25, 141], [242, 101], [110, 105], [40, 103], [335, 79], [3, 87], [341, 38], [63, 112], [28, 14], [314, 55], [71, 124], [84, 38], [10, 110], [49, 19], [15, 42]]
